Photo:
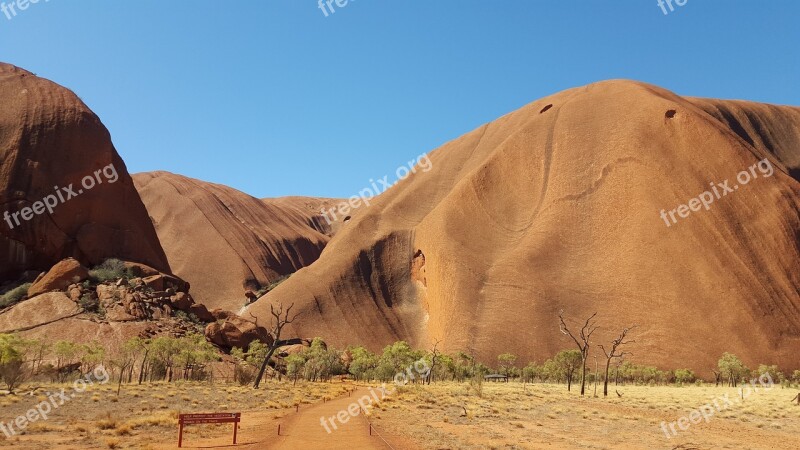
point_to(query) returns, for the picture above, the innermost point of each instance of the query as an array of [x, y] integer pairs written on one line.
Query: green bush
[[110, 270], [684, 376], [89, 303], [14, 295]]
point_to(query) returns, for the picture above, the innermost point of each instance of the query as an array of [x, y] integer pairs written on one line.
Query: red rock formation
[[557, 205], [49, 138], [225, 242]]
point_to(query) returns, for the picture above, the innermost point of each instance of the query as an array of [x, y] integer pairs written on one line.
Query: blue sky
[[273, 98]]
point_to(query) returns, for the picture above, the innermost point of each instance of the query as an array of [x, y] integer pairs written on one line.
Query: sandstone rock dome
[[49, 138], [225, 242], [557, 206]]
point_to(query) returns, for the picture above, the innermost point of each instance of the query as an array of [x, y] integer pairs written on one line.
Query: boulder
[[288, 350], [140, 270], [60, 277], [181, 301], [118, 313], [137, 310], [75, 292], [201, 312], [221, 314], [235, 331], [163, 282], [109, 295]]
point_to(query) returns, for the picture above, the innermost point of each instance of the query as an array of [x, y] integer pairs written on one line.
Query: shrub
[[106, 424], [272, 285], [244, 375], [14, 295], [110, 270], [190, 317], [90, 303]]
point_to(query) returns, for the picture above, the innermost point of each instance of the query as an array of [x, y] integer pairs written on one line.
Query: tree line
[[189, 357]]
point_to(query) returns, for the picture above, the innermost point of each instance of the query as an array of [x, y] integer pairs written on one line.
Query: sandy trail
[[304, 431], [299, 430]]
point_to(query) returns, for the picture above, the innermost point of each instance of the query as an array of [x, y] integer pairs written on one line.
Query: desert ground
[[438, 416]]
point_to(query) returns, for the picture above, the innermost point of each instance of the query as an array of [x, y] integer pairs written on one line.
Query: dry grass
[[146, 416], [446, 415], [511, 415]]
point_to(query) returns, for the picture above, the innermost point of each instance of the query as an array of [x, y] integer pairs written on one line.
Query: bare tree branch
[[282, 318], [615, 345], [583, 344]]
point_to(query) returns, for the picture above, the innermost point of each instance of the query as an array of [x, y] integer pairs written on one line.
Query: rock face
[[557, 206], [52, 147], [63, 274], [225, 242]]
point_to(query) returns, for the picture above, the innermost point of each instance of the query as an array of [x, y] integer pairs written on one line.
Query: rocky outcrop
[[156, 296]]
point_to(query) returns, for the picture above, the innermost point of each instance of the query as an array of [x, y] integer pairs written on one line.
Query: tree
[[770, 371], [295, 365], [92, 355], [363, 365], [565, 364], [281, 319], [615, 352], [507, 363], [446, 368], [194, 352], [435, 354], [138, 347], [321, 362], [395, 360], [530, 372], [164, 350], [12, 360], [123, 360], [67, 356], [247, 363], [582, 341], [684, 376], [732, 368], [38, 350]]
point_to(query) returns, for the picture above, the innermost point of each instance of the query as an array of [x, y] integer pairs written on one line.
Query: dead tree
[[620, 361], [281, 319], [434, 357], [615, 353], [585, 336]]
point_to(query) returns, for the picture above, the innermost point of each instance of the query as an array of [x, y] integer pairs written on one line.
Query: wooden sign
[[196, 419]]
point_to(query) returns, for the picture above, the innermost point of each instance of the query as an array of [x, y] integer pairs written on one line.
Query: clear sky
[[274, 98]]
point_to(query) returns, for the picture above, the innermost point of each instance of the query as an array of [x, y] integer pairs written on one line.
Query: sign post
[[197, 419]]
